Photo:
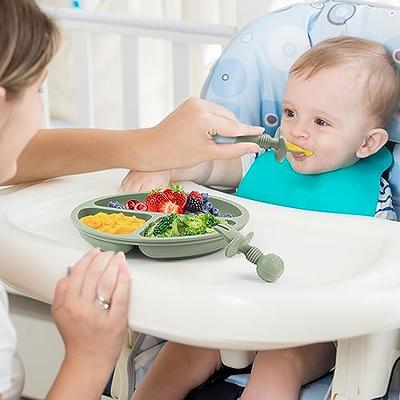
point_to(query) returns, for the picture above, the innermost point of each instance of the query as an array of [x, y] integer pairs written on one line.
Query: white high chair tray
[[341, 276]]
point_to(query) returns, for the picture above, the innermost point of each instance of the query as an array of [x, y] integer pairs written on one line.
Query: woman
[[90, 305]]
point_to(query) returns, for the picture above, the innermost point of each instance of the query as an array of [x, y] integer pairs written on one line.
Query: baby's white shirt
[[11, 369]]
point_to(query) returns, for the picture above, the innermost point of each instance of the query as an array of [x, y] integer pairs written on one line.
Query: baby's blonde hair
[[382, 83]]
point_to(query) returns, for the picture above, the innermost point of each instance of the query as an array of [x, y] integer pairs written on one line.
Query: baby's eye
[[41, 89], [321, 122], [289, 113]]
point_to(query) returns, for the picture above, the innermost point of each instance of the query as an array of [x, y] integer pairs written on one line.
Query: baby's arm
[[227, 173]]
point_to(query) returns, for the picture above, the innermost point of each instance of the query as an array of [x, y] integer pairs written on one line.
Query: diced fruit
[[194, 206], [205, 197], [174, 200], [176, 194], [208, 206], [139, 206], [168, 207], [155, 200], [196, 195], [116, 204], [215, 212], [194, 203], [130, 204]]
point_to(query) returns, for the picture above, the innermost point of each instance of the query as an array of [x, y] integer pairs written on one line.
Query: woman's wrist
[[89, 362], [84, 375], [136, 150]]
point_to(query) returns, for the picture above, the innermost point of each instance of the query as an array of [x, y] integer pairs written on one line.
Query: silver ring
[[103, 303], [212, 133]]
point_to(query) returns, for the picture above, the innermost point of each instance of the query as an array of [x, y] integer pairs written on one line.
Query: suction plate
[[174, 247]]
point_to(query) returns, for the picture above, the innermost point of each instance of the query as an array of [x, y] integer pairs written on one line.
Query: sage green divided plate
[[174, 247]]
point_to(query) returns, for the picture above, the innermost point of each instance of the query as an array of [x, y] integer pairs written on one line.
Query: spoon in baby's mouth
[[293, 148], [265, 141]]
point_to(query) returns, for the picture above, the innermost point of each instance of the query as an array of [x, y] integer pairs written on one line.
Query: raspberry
[[139, 206], [130, 204]]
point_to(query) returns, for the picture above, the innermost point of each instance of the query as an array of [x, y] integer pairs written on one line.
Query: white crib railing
[[181, 34]]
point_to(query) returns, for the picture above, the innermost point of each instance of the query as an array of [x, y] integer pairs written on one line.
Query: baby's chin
[[306, 168]]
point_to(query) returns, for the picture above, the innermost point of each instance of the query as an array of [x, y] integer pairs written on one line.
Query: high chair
[[249, 79]]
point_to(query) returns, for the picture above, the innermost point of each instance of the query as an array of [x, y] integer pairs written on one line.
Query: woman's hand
[[136, 181], [184, 138], [90, 310], [85, 327]]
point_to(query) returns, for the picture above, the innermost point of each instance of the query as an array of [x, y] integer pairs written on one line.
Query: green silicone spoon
[[265, 141], [269, 266]]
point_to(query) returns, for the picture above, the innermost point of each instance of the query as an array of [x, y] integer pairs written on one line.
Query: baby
[[339, 97]]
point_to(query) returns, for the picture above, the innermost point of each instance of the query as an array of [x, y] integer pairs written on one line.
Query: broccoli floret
[[163, 227], [193, 230], [198, 224], [183, 225], [208, 220]]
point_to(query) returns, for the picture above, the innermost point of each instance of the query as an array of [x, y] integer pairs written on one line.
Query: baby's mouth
[[297, 150]]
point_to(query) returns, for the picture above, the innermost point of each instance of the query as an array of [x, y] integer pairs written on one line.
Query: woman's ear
[[374, 141], [3, 93]]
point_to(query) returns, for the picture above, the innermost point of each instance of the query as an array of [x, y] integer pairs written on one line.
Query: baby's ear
[[373, 142]]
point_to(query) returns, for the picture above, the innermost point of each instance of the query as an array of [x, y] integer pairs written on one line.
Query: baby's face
[[326, 114]]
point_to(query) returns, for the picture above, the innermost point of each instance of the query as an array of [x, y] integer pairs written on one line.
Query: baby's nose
[[300, 132]]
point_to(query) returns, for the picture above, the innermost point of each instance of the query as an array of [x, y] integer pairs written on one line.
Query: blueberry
[[116, 204], [208, 206], [227, 215], [215, 212], [205, 197]]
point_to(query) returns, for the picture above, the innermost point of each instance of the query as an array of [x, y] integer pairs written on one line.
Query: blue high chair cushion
[[250, 76]]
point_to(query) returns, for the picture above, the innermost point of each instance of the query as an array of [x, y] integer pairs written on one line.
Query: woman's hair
[[373, 64], [28, 41]]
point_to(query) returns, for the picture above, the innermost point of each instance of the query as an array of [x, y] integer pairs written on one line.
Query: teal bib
[[350, 190]]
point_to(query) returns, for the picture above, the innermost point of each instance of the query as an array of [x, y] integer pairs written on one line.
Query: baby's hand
[[137, 181]]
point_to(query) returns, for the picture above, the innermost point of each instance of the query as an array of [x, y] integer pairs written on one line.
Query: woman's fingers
[[130, 184], [182, 139], [120, 299], [91, 330], [221, 111], [230, 127], [137, 181], [60, 292], [232, 151], [93, 274], [108, 280], [78, 274]]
